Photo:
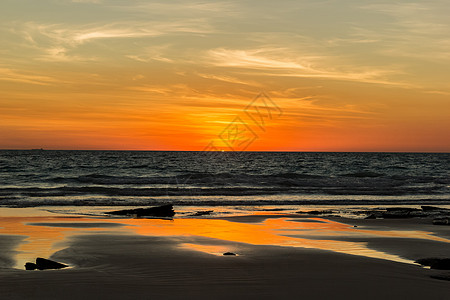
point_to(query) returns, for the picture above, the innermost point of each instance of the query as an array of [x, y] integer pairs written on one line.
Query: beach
[[224, 150], [277, 256]]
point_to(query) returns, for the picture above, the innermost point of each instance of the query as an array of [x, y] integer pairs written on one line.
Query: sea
[[221, 182]]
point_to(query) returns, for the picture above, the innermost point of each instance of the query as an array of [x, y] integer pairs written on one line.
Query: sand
[[181, 259]]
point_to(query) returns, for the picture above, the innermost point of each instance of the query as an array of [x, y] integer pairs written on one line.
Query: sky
[[303, 75]]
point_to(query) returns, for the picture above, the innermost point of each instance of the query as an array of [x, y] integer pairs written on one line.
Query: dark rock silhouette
[[30, 266], [157, 211], [408, 212], [229, 254], [47, 264], [433, 208], [397, 215], [429, 208], [435, 263], [401, 209], [370, 216], [202, 213], [316, 212], [44, 264]]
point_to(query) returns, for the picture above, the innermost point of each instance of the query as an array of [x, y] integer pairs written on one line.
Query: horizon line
[[225, 151]]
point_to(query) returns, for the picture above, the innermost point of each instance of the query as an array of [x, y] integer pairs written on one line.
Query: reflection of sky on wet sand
[[280, 232], [46, 235], [44, 240]]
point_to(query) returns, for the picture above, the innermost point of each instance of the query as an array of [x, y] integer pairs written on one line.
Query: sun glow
[[101, 75]]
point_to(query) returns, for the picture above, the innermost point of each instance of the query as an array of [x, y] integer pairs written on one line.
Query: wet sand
[[279, 256]]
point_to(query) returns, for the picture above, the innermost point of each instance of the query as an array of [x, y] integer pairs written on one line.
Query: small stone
[[230, 253]]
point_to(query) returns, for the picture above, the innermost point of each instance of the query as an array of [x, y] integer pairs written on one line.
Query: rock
[[30, 266], [397, 215], [44, 264], [429, 208], [435, 263], [202, 213], [402, 213], [441, 221], [406, 212], [230, 254], [371, 216], [319, 212], [157, 211], [47, 264], [433, 208], [401, 209]]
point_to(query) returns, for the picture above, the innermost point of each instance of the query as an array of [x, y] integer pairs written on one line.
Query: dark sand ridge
[[112, 263]]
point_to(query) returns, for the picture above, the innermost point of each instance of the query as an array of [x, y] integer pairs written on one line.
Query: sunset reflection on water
[[43, 236], [47, 235]]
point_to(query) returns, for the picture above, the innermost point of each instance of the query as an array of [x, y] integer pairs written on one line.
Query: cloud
[[414, 30], [443, 93], [79, 34], [60, 54], [251, 59], [152, 54], [57, 41], [229, 79], [283, 63], [7, 74]]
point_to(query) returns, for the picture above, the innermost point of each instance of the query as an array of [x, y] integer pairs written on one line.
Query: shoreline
[[277, 255]]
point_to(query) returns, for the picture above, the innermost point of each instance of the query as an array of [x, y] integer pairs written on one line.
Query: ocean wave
[[192, 178], [235, 190], [364, 174], [222, 202], [38, 176]]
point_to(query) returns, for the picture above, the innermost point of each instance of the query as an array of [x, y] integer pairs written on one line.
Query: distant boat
[[41, 149]]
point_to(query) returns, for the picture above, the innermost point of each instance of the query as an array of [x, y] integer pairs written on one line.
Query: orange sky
[[135, 75]]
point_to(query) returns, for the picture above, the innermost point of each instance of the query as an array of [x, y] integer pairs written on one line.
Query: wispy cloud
[[415, 30], [254, 59], [229, 79], [7, 74], [442, 93], [154, 53], [74, 35], [282, 63], [57, 41], [61, 54]]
